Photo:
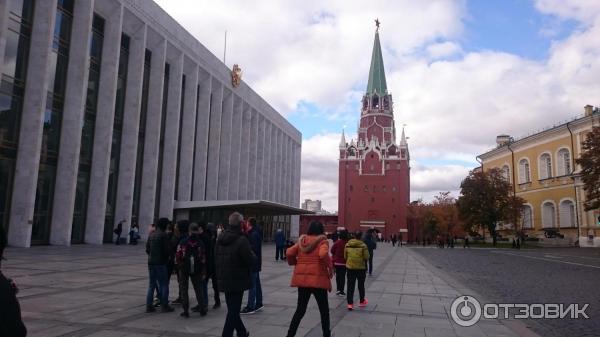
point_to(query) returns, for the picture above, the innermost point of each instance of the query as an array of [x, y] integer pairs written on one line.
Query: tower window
[[351, 188], [372, 199], [366, 188], [383, 188], [393, 188]]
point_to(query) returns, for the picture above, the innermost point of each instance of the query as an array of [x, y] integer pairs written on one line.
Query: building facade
[[111, 111], [312, 205], [374, 170], [542, 170]]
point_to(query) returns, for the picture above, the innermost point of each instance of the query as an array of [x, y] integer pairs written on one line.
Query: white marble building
[[110, 110]]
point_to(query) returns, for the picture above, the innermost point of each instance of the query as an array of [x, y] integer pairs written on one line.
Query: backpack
[[194, 257]]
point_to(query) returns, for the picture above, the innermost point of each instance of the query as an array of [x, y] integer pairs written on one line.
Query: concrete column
[[259, 134], [250, 149], [291, 175], [245, 153], [214, 140], [298, 175], [131, 127], [266, 169], [30, 136], [153, 121], [276, 163], [188, 134], [72, 119], [286, 170], [273, 165], [3, 26], [295, 219], [235, 166], [280, 166], [169, 163], [202, 133], [225, 149], [103, 130]]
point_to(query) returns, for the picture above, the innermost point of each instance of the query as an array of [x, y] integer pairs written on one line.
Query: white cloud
[[443, 49]]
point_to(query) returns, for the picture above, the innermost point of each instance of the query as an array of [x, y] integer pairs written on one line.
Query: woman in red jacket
[[339, 262], [312, 275]]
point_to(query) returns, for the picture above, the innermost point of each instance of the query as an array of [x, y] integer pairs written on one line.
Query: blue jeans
[[158, 275], [233, 320], [255, 292]]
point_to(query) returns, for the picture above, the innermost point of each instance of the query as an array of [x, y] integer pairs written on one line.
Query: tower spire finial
[[377, 23], [343, 140], [377, 83]]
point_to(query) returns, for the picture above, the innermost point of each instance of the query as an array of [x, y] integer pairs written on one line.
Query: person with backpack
[[191, 263], [339, 262], [371, 245], [356, 254], [255, 299], [208, 235], [312, 275]]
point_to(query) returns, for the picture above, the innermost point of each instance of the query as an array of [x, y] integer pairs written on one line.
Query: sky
[[460, 72]]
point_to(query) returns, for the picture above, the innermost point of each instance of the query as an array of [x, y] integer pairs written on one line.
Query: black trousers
[[340, 277], [322, 302], [184, 279], [370, 264], [233, 320], [353, 276], [279, 252]]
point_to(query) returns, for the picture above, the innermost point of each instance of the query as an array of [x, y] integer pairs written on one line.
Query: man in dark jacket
[[209, 238], [234, 262], [158, 250], [255, 293], [369, 240], [279, 245], [191, 264], [11, 323]]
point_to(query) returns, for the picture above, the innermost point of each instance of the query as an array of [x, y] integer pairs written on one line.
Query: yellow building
[[542, 171]]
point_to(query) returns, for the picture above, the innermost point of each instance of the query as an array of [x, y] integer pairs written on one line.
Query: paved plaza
[[88, 290]]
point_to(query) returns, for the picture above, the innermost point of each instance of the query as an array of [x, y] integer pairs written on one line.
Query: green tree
[[590, 169], [486, 199]]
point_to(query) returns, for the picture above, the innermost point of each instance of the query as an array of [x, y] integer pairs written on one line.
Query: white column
[[274, 163], [103, 130], [3, 27], [30, 135], [260, 135], [245, 153], [131, 127], [225, 148], [251, 148], [286, 170], [153, 121], [236, 140], [72, 119], [266, 172], [169, 162], [214, 137], [280, 166], [188, 134], [202, 133]]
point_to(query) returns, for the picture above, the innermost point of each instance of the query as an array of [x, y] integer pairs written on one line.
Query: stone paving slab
[[88, 290]]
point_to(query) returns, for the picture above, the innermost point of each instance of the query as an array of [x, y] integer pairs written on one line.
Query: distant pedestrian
[[158, 250], [393, 239], [11, 323], [255, 299], [466, 242], [312, 275], [118, 231], [279, 245], [356, 254], [234, 263], [369, 240], [191, 264], [400, 239], [339, 262], [134, 235]]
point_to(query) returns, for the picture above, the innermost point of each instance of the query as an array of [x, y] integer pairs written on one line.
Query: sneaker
[[363, 303], [150, 308], [167, 308], [341, 294], [350, 307], [247, 311], [259, 307], [185, 314], [176, 301], [156, 303]]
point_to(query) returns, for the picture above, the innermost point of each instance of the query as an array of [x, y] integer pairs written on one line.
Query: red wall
[[329, 221]]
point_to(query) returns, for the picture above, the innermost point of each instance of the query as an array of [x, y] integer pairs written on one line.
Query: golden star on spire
[[377, 23]]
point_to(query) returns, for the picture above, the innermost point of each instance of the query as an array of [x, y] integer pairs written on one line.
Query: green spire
[[376, 72]]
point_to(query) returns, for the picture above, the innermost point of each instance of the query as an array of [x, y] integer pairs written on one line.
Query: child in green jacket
[[356, 254]]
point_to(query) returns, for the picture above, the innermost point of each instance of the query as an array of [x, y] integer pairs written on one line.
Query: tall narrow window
[[506, 173], [115, 152], [524, 171], [545, 166], [563, 162], [87, 131], [163, 120], [527, 216], [567, 214], [548, 215], [179, 139]]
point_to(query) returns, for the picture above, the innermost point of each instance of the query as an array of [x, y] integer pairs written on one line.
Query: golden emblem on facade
[[236, 76]]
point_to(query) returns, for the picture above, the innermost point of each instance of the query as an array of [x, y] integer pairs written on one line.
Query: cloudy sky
[[460, 72]]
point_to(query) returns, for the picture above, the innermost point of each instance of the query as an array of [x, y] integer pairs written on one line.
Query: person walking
[[312, 275], [400, 240], [11, 322], [158, 250], [466, 242], [279, 245], [134, 235], [394, 240], [191, 264], [255, 300], [118, 231], [356, 254], [339, 262], [209, 239], [234, 262], [371, 243]]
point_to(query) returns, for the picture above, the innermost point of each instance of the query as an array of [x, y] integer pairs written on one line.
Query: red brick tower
[[374, 171]]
